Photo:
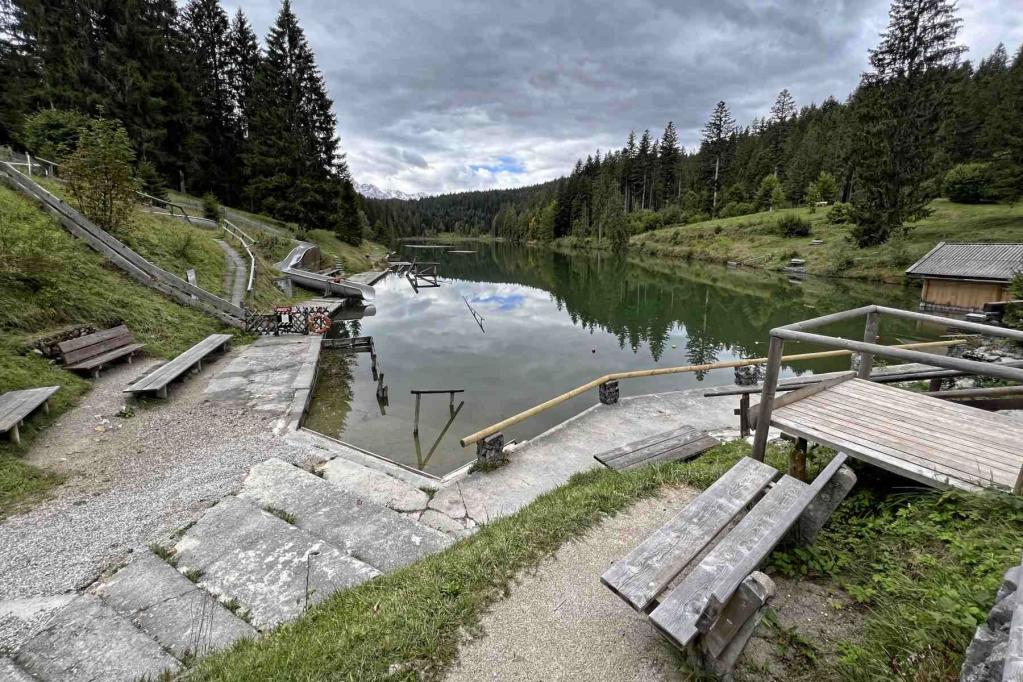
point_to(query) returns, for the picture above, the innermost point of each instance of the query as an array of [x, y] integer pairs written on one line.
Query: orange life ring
[[319, 323]]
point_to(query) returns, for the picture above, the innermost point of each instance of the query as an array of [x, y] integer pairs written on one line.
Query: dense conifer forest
[[922, 124]]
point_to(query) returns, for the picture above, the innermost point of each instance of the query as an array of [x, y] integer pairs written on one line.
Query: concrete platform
[[375, 486], [88, 641], [171, 609], [273, 569], [367, 531]]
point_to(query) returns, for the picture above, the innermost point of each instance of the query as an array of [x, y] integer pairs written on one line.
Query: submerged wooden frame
[[867, 350]]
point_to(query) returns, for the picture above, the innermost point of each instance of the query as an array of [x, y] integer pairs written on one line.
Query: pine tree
[[243, 60], [899, 108], [292, 159], [783, 114], [716, 134], [670, 156], [205, 28]]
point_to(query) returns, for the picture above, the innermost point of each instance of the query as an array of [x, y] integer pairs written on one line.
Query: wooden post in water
[[774, 355], [415, 430]]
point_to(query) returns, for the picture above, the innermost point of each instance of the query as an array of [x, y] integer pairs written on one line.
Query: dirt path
[[237, 273]]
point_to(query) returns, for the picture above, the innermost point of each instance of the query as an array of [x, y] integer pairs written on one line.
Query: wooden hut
[[966, 276]]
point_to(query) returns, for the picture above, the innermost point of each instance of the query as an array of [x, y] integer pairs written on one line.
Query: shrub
[[151, 181], [99, 174], [672, 215], [968, 183], [840, 214], [737, 208], [770, 195], [211, 207], [53, 133], [792, 226]]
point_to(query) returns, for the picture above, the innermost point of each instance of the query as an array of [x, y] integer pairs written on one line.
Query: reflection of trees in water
[[719, 309]]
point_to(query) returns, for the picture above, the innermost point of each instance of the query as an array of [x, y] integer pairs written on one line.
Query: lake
[[549, 322]]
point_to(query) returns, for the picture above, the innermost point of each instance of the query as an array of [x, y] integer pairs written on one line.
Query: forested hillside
[[922, 124], [206, 108]]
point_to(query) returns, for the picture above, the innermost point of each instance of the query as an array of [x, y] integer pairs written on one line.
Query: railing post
[[609, 393], [774, 356], [866, 360]]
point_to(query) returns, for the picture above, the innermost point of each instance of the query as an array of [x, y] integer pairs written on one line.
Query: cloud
[[448, 95]]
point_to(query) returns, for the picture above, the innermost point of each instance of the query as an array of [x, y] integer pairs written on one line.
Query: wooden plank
[[83, 354], [101, 360], [655, 443], [676, 617], [680, 452], [16, 405], [640, 576], [802, 393], [898, 463], [864, 438], [89, 339], [944, 436], [170, 371]]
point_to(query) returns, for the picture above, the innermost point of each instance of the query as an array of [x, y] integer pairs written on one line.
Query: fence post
[[774, 355], [28, 158], [866, 360]]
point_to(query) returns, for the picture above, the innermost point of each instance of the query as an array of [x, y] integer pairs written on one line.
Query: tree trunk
[[717, 168]]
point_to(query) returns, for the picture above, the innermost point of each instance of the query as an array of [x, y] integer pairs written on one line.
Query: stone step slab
[[374, 486], [12, 672], [168, 607], [273, 569], [87, 641], [372, 533]]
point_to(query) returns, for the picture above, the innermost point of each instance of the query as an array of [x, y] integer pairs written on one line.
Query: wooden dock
[[935, 442]]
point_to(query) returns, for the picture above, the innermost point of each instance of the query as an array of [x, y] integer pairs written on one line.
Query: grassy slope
[[49, 280], [752, 240], [923, 565]]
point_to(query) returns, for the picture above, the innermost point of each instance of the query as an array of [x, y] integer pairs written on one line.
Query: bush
[[672, 215], [53, 133], [99, 174], [793, 226], [840, 214], [968, 183], [152, 182], [211, 207], [644, 221], [737, 208]]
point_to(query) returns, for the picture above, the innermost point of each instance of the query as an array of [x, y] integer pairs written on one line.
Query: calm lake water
[[551, 322]]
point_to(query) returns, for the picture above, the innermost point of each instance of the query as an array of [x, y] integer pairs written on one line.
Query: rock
[[375, 486], [379, 536], [1010, 582], [170, 608], [273, 569], [12, 672], [87, 640]]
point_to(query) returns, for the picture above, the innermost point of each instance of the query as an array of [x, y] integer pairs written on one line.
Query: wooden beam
[[774, 356]]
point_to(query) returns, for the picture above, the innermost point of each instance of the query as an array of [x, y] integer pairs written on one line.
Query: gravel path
[[130, 481], [561, 623]]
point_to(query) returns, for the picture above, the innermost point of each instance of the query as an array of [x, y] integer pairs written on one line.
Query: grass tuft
[[165, 553], [283, 515]]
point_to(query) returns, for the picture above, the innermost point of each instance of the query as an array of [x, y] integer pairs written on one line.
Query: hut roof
[[988, 262]]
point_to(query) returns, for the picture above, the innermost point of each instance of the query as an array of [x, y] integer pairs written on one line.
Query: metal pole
[[774, 355], [869, 336]]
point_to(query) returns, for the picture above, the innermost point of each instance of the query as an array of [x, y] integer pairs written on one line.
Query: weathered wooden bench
[[679, 444], [160, 378], [712, 611], [15, 406], [92, 352]]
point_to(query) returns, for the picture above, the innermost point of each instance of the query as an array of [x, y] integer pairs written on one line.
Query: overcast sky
[[448, 95]]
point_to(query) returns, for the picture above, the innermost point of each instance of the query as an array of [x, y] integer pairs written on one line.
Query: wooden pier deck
[[931, 441]]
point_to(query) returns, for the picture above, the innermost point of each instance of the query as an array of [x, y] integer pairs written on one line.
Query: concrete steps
[[164, 604], [369, 532], [87, 640], [374, 486], [271, 568]]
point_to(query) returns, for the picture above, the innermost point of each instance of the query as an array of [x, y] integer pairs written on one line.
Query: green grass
[[177, 246], [753, 241], [367, 256]]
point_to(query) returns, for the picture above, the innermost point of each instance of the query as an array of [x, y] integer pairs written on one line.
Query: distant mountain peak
[[371, 191]]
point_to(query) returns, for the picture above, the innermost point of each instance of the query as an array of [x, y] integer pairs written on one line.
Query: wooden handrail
[[553, 402]]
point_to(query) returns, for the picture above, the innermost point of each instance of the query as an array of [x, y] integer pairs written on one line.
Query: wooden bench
[[679, 444], [160, 378], [712, 611], [15, 406], [92, 352]]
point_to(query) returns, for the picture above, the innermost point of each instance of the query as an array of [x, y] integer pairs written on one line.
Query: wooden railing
[[246, 241], [661, 371]]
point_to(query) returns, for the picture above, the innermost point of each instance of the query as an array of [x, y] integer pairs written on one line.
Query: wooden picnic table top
[[932, 441], [16, 405]]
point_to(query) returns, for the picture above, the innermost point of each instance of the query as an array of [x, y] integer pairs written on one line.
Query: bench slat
[[103, 359], [700, 443], [170, 371], [89, 339], [677, 616], [92, 350], [648, 569], [606, 457], [16, 405]]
